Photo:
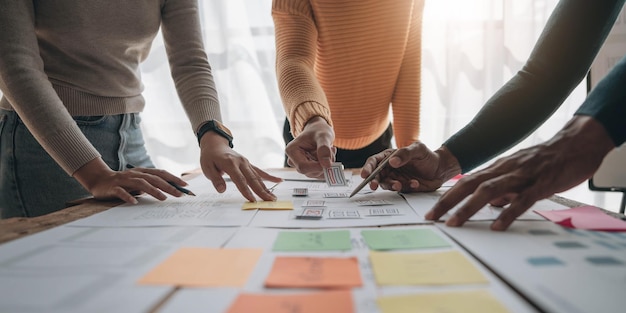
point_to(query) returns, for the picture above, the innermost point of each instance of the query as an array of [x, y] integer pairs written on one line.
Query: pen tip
[[191, 194]]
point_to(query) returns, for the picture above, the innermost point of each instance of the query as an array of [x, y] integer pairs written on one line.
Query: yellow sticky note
[[205, 267], [268, 205], [438, 268], [475, 301]]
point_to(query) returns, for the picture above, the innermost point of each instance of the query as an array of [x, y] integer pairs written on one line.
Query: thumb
[[325, 155], [416, 151]]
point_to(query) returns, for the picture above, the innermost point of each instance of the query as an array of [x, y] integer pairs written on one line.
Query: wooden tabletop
[[17, 227]]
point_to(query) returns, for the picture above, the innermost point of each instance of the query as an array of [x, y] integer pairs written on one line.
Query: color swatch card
[[438, 268], [268, 205], [314, 272], [333, 240], [475, 301], [205, 267], [397, 239], [327, 301]]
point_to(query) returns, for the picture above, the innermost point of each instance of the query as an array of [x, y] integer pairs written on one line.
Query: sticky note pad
[[390, 239], [205, 267], [475, 301], [268, 205], [585, 217], [334, 240], [312, 302], [438, 268], [313, 272]]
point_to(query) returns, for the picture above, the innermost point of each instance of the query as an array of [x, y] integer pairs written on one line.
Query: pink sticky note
[[584, 217]]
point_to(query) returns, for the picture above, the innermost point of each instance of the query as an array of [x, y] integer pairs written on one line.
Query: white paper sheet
[[208, 208], [423, 202], [81, 269], [342, 212], [562, 270]]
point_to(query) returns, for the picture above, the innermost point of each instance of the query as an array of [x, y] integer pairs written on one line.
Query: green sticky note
[[395, 239], [313, 241]]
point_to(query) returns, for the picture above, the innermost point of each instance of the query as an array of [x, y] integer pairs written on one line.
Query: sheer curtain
[[470, 49]]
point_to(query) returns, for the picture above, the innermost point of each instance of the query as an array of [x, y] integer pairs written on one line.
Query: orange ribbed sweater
[[348, 62]]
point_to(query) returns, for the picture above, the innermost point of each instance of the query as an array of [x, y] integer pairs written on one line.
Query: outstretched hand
[[217, 158], [532, 174], [312, 150], [412, 169]]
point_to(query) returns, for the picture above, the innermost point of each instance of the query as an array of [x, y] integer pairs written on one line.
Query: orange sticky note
[[205, 267], [313, 272], [326, 301], [268, 205]]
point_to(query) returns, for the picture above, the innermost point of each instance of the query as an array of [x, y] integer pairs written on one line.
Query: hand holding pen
[[179, 188]]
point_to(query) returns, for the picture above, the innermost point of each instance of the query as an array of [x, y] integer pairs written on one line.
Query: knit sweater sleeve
[[406, 98], [26, 86], [559, 61], [188, 61], [296, 37], [607, 103]]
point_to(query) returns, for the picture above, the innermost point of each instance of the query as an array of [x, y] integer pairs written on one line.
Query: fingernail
[[497, 225], [453, 221]]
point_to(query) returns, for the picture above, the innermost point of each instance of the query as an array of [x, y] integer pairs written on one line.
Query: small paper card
[[336, 195], [300, 192], [344, 214], [334, 175], [311, 214], [384, 212], [268, 205], [314, 203], [372, 202]]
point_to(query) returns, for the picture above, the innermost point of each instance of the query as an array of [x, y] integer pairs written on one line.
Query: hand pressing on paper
[[217, 158], [412, 169], [532, 174], [312, 150]]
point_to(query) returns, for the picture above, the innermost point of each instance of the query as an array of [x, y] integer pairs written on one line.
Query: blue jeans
[[33, 184]]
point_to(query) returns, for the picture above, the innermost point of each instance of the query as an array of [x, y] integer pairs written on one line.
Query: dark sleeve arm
[[607, 103], [559, 61]]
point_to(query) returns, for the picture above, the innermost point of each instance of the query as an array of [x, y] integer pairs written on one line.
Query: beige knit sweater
[[349, 61], [68, 58]]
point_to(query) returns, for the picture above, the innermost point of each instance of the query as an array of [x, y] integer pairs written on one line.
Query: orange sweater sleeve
[[296, 37], [406, 98]]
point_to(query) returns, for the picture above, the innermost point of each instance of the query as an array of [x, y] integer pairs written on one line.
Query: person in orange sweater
[[340, 66]]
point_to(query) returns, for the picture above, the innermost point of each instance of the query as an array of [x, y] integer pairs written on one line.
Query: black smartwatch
[[219, 128]]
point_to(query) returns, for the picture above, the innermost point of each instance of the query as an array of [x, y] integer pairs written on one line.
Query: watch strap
[[217, 127]]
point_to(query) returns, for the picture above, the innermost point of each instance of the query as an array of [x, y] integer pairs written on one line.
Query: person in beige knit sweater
[[341, 66], [69, 117]]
